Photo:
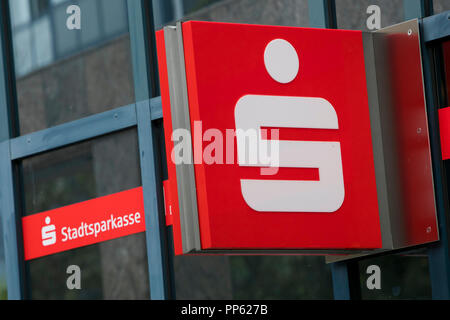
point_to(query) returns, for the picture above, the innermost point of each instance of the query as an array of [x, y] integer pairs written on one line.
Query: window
[[355, 15], [52, 90], [114, 269]]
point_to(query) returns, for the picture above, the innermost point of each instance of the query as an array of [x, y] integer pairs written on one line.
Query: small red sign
[[83, 223]]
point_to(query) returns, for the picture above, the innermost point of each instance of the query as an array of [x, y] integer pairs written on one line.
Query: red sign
[[311, 85], [83, 224]]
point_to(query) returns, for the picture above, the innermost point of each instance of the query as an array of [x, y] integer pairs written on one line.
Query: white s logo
[[325, 195], [255, 111], [48, 233]]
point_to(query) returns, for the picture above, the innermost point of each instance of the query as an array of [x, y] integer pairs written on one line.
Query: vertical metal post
[[438, 254], [142, 38], [322, 14], [341, 286], [8, 128]]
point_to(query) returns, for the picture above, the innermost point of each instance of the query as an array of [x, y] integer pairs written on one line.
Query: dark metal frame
[[146, 116]]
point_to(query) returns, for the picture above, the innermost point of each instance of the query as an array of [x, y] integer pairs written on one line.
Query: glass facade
[[402, 277], [440, 6], [115, 269], [356, 15], [65, 75]]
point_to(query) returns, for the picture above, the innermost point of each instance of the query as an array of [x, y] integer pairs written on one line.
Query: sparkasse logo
[[48, 233]]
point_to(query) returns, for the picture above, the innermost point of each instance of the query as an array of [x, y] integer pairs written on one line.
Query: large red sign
[[311, 85], [83, 223]]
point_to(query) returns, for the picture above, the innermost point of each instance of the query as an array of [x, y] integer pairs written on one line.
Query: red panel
[[412, 141], [444, 128], [225, 62], [83, 224]]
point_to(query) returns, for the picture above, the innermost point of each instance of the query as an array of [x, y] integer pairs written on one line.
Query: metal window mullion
[[75, 131], [322, 14], [438, 254], [8, 129], [10, 222], [143, 53]]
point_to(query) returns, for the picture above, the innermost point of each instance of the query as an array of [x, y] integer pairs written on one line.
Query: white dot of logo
[[281, 60]]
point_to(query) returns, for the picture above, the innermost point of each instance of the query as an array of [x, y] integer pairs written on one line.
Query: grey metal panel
[[72, 132], [397, 192], [436, 27], [387, 122], [377, 141], [405, 134], [180, 120]]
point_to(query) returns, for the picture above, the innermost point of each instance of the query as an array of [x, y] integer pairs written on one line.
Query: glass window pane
[[441, 6], [43, 47], [63, 75], [66, 40], [23, 51], [90, 30], [114, 16], [364, 14], [20, 12], [271, 12], [114, 269], [401, 277]]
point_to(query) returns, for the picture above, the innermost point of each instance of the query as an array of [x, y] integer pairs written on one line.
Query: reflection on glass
[[22, 51], [116, 16], [115, 269], [354, 15], [83, 84], [90, 30], [252, 277], [270, 12], [100, 21], [20, 12], [401, 277], [41, 31], [65, 40], [441, 6]]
